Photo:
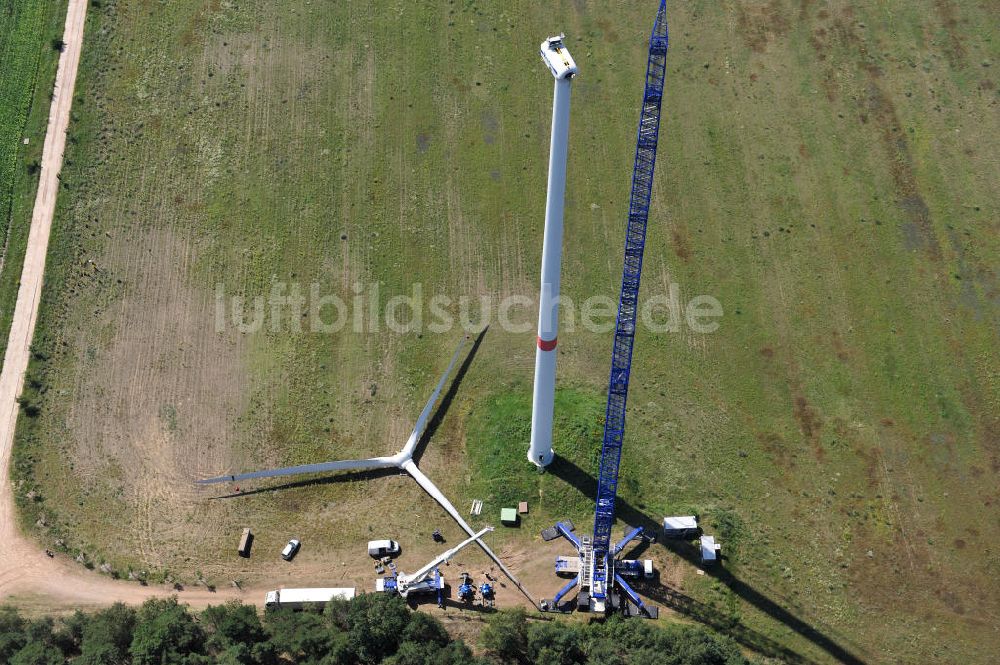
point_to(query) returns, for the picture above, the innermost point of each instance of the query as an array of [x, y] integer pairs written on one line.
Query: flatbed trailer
[[300, 599]]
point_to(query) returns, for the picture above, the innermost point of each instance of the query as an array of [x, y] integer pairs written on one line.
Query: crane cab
[[558, 59]]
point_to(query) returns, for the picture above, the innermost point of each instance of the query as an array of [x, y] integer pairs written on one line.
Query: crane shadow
[[692, 554], [711, 617], [463, 606], [572, 474]]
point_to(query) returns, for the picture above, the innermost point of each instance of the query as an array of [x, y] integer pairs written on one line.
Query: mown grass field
[[827, 171]]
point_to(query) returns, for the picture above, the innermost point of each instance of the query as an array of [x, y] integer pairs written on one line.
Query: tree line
[[371, 629]]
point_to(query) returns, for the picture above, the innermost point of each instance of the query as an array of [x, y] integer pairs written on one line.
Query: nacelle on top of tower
[[558, 59]]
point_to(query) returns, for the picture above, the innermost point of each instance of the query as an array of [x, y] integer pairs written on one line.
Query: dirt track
[[27, 575]]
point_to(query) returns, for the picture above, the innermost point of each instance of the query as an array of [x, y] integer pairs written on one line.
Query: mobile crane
[[600, 586], [428, 578]]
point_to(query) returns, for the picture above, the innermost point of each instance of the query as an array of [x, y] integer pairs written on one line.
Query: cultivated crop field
[[827, 172], [29, 33]]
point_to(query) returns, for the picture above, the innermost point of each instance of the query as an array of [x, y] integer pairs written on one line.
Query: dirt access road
[[28, 577]]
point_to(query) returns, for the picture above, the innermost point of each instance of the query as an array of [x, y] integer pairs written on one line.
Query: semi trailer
[[300, 599]]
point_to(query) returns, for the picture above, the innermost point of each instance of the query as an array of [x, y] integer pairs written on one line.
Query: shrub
[[506, 636]]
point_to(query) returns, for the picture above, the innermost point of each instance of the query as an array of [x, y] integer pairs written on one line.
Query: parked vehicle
[[381, 548], [298, 599], [291, 549]]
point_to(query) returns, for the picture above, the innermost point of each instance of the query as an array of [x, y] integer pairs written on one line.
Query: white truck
[[299, 599]]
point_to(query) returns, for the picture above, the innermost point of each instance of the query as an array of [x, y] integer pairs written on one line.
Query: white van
[[381, 548]]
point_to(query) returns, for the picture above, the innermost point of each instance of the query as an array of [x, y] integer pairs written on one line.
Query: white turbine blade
[[418, 429], [355, 465], [436, 494], [346, 465]]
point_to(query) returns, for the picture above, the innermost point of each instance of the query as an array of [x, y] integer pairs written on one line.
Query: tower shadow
[[584, 482]]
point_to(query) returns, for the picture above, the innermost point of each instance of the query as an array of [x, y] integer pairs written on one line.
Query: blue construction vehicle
[[600, 588], [488, 594], [467, 590]]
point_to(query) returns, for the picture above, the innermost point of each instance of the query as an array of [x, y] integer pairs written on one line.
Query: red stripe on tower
[[546, 346]]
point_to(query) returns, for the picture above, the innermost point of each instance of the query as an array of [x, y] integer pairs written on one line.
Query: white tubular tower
[[563, 69]]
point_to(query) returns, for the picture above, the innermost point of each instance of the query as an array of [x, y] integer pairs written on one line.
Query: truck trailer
[[246, 542], [300, 599]]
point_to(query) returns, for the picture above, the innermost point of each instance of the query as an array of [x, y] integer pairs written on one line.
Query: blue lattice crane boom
[[596, 579], [635, 242]]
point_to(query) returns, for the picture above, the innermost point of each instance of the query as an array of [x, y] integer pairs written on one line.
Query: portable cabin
[[710, 550], [682, 526]]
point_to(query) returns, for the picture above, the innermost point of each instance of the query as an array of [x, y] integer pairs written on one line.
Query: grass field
[[827, 171]]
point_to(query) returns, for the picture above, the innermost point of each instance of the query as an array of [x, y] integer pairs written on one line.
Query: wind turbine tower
[[563, 69]]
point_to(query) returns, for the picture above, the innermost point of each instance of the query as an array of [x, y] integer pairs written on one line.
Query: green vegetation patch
[[371, 629], [20, 25], [29, 51], [498, 434]]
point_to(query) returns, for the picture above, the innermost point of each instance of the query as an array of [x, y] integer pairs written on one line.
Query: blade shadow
[[449, 397], [338, 477]]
